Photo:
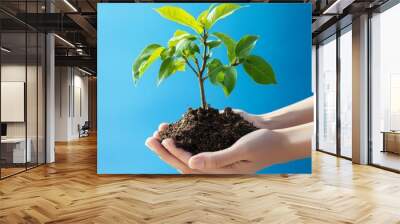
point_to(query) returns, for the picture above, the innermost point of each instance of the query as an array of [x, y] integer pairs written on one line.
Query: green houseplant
[[193, 50]]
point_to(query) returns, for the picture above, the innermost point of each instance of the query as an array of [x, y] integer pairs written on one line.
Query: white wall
[[71, 102]]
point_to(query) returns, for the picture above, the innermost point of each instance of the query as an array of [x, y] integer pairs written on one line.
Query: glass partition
[[385, 89], [327, 95], [22, 77], [32, 95], [14, 153], [346, 92], [41, 107]]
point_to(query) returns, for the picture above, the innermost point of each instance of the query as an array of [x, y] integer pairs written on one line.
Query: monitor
[[3, 129]]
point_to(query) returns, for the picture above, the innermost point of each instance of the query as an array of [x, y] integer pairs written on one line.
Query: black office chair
[[84, 130]]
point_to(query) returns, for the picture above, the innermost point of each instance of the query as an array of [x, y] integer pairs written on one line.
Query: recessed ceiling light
[[70, 5], [337, 7], [64, 40], [84, 71], [5, 50]]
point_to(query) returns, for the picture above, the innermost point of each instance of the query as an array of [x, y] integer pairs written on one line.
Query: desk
[[391, 141], [17, 150]]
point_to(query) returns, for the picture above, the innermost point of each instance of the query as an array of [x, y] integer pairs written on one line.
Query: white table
[[18, 144]]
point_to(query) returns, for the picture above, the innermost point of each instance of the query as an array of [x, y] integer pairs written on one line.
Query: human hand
[[249, 154], [254, 151], [154, 144], [256, 120], [177, 157]]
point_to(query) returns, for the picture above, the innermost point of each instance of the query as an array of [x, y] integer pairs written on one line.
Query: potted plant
[[205, 128]]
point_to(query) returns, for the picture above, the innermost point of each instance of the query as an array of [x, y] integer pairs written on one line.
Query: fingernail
[[196, 163]]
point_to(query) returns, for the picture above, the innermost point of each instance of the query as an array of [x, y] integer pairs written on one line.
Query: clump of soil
[[207, 130]]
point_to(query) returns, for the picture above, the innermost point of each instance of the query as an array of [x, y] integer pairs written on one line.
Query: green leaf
[[180, 16], [170, 66], [193, 48], [187, 48], [224, 76], [213, 43], [214, 67], [148, 55], [181, 46], [202, 18], [166, 69], [219, 12], [259, 70], [180, 64], [167, 52], [229, 81], [229, 44], [178, 36], [245, 45]]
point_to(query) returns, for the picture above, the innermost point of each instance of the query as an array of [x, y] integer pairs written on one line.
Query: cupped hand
[[248, 155], [155, 145], [174, 156], [256, 120]]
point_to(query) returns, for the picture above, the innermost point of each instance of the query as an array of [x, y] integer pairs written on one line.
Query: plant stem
[[191, 67], [201, 72], [202, 94]]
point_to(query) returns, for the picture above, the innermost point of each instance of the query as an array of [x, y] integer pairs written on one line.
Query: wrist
[[271, 121]]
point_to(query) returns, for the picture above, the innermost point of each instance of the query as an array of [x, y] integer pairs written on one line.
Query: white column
[[314, 91], [50, 99], [360, 90]]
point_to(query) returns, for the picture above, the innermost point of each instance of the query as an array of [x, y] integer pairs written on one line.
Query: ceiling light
[[84, 71], [70, 5], [65, 41], [5, 50], [338, 6]]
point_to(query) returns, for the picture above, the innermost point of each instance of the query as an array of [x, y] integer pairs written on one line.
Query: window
[[385, 89], [327, 95], [346, 92]]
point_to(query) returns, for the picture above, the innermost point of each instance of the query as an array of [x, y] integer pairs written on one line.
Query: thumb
[[215, 160]]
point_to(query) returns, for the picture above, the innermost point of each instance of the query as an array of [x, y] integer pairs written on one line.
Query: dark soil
[[207, 130]]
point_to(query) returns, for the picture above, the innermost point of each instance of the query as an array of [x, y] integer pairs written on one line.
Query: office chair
[[84, 130]]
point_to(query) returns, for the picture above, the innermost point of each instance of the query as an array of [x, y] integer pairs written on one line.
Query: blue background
[[127, 115]]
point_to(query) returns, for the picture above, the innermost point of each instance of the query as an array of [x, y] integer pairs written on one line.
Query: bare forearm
[[294, 143], [270, 147], [292, 115]]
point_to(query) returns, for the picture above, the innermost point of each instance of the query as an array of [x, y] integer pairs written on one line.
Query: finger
[[156, 135], [238, 111], [215, 160], [156, 147], [163, 126], [179, 153]]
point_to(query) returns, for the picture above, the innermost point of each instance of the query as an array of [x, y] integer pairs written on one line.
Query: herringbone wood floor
[[70, 191]]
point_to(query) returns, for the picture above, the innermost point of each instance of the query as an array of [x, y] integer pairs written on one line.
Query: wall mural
[[201, 88]]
